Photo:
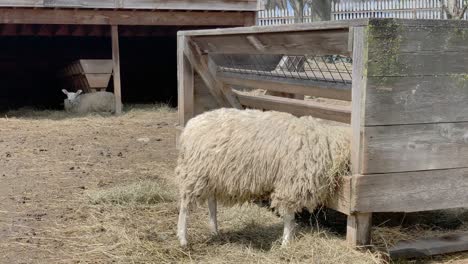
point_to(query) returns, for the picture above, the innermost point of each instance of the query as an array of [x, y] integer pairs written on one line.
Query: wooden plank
[[358, 96], [199, 62], [411, 191], [430, 246], [185, 83], [421, 63], [323, 42], [203, 100], [296, 107], [397, 49], [405, 38], [300, 27], [341, 199], [358, 229], [415, 147], [423, 99], [96, 66], [331, 90], [116, 66], [222, 5], [98, 80], [120, 17]]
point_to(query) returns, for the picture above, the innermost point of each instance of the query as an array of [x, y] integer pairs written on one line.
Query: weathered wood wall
[[414, 118]]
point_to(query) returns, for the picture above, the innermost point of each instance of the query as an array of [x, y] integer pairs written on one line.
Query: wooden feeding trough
[[88, 75], [407, 103]]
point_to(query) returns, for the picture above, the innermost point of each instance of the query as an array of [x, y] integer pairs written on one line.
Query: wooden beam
[[296, 107], [116, 63], [359, 224], [415, 147], [331, 90], [323, 42], [410, 191], [120, 17], [185, 83], [430, 246], [303, 27], [200, 63], [358, 229], [358, 95], [221, 5], [341, 199]]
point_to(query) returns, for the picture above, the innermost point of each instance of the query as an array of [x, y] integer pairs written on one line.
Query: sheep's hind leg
[[182, 224], [212, 208], [288, 232]]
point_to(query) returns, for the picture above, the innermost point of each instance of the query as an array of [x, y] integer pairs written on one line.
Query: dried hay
[[139, 193], [77, 231]]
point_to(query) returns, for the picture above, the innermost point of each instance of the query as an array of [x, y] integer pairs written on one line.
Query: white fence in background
[[354, 9], [281, 16]]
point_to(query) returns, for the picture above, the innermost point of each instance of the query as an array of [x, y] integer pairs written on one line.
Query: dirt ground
[[101, 189]]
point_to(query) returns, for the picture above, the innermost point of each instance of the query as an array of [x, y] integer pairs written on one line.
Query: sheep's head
[[73, 97]]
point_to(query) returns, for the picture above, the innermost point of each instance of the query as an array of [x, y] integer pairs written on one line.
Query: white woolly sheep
[[237, 156], [90, 102]]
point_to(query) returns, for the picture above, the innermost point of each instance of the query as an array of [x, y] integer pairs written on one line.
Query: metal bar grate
[[329, 68]]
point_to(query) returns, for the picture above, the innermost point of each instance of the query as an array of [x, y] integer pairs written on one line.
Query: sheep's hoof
[[183, 243], [284, 243]]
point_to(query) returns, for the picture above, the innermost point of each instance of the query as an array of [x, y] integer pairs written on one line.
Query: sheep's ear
[[79, 92], [65, 91]]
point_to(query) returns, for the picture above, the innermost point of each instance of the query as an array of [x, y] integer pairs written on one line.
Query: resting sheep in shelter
[[237, 156], [90, 102]]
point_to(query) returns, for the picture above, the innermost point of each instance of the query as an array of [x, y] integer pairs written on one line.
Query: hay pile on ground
[[68, 196]]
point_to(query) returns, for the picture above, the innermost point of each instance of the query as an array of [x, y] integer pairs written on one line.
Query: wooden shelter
[[407, 98], [114, 18]]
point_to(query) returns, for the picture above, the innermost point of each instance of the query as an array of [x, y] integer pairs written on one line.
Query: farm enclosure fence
[[352, 9]]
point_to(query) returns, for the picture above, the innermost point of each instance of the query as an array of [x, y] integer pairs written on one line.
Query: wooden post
[[359, 225], [358, 229], [185, 83], [116, 63]]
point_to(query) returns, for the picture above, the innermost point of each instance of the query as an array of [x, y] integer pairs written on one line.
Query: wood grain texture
[[297, 107], [331, 90], [226, 5], [203, 100], [411, 191], [423, 63], [333, 41], [120, 17], [358, 229], [341, 199], [358, 96], [400, 49], [224, 97], [430, 246], [423, 99], [185, 81], [116, 67], [439, 38], [415, 147], [300, 27], [96, 66]]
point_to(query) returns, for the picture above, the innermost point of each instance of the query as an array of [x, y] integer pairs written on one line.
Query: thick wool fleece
[[92, 102], [243, 155]]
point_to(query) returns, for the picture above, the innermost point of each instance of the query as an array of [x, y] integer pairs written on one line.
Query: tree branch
[[465, 7]]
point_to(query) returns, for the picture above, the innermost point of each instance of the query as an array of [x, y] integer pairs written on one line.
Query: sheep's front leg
[[212, 208], [288, 232], [182, 224]]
